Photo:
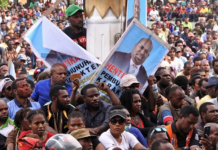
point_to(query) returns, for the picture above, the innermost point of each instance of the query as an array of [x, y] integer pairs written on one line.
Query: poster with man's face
[[136, 9], [139, 52]]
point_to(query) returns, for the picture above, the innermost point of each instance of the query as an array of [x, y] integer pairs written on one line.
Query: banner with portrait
[[52, 46], [136, 9], [139, 52]]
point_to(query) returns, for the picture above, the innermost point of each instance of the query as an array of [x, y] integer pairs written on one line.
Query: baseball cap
[[212, 81], [62, 142], [3, 82], [128, 80], [190, 34], [72, 9], [117, 112], [22, 57], [81, 134], [178, 49]]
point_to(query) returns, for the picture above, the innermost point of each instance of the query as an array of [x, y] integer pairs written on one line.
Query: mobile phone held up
[[206, 130]]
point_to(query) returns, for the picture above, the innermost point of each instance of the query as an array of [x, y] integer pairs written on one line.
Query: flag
[[11, 69], [52, 46]]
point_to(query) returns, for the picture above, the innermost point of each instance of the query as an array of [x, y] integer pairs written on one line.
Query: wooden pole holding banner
[[46, 13]]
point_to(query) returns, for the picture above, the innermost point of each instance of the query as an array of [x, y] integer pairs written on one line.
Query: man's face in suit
[[136, 9], [141, 51]]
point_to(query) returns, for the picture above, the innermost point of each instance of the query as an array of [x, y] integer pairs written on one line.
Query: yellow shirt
[[204, 10], [182, 74], [203, 100]]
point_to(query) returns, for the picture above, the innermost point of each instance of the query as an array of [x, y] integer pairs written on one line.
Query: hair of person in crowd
[[188, 110], [31, 83], [201, 81], [43, 76], [33, 113], [84, 90], [197, 59], [126, 98], [187, 63], [171, 88], [156, 145], [54, 90], [203, 107], [14, 83], [76, 113], [177, 42], [215, 60], [182, 81], [20, 115]]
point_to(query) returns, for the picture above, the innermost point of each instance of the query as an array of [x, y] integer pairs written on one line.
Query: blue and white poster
[[138, 52], [136, 9], [52, 46]]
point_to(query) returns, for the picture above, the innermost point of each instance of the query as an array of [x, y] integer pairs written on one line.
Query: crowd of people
[[43, 112]]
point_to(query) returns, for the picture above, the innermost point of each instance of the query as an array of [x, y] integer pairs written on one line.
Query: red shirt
[[148, 10], [167, 8], [24, 133], [138, 126]]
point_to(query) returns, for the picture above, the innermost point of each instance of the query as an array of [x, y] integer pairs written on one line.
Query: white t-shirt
[[128, 140], [177, 64], [153, 13]]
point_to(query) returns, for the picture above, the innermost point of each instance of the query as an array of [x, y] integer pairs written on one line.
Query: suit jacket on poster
[[122, 61]]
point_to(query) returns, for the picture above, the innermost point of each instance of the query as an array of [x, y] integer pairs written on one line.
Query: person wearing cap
[[116, 135], [6, 124], [186, 23], [176, 63], [76, 31], [210, 91], [5, 90], [129, 81], [184, 35], [21, 60], [84, 138], [191, 43]]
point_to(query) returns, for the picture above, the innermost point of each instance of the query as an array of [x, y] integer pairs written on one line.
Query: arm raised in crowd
[[75, 87], [103, 86]]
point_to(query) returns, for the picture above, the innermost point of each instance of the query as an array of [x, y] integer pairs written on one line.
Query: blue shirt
[[188, 9], [135, 131], [41, 91], [184, 37], [14, 106], [209, 57], [193, 45]]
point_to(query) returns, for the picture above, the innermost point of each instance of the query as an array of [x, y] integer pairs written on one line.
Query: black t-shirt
[[79, 38], [50, 118], [182, 140]]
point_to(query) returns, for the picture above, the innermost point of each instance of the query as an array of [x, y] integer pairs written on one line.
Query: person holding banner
[[76, 31], [133, 61]]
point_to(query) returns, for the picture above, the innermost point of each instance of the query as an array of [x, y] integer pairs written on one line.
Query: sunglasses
[[8, 88], [158, 129], [121, 121]]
